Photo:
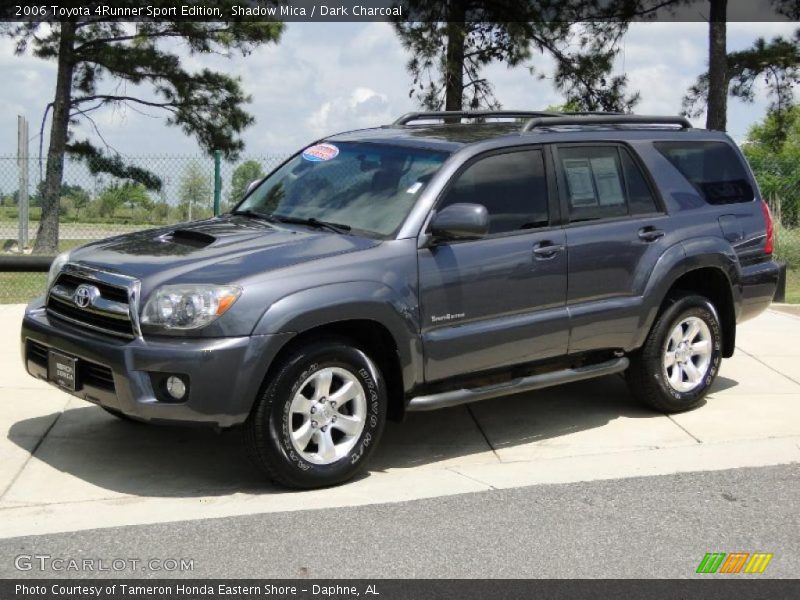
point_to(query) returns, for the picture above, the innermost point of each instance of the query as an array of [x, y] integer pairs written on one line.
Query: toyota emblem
[[85, 295]]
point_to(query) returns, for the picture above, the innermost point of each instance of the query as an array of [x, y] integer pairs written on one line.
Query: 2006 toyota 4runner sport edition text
[[415, 266]]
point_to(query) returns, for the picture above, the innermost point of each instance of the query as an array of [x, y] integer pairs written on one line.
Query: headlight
[[55, 268], [188, 306]]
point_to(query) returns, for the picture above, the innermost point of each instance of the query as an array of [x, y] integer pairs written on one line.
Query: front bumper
[[224, 374]]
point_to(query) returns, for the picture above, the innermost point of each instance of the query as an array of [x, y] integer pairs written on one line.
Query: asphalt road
[[644, 527]]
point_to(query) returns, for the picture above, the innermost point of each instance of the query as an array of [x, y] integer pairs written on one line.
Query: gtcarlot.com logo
[[735, 562], [59, 564]]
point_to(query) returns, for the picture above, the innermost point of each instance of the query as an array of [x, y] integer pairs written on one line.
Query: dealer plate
[[62, 370]]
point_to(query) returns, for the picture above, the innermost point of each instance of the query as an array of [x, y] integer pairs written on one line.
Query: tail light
[[769, 244]]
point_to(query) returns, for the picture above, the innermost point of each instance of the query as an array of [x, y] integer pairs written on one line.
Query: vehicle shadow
[[161, 461]]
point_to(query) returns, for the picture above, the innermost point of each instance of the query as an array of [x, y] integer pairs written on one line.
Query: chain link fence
[[97, 205], [780, 185]]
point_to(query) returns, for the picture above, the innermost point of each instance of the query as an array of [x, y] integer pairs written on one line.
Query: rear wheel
[[680, 359], [319, 417]]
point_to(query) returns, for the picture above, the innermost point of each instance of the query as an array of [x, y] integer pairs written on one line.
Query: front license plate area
[[62, 370]]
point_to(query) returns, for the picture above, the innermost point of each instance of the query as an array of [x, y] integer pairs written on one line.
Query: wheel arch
[[712, 282], [706, 266], [369, 314]]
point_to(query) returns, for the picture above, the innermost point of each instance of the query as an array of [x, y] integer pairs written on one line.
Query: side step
[[515, 386]]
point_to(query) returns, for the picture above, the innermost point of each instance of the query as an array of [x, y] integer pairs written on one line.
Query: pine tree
[[104, 63], [452, 42], [777, 62]]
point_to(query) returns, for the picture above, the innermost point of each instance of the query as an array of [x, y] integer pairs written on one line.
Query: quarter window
[[713, 168], [512, 186]]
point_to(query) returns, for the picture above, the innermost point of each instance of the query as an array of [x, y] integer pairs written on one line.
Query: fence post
[[22, 189], [217, 180]]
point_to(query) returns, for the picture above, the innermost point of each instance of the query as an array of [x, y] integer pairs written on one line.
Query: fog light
[[175, 387]]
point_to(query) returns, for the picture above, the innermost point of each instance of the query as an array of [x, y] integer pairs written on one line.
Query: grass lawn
[[17, 288], [793, 286]]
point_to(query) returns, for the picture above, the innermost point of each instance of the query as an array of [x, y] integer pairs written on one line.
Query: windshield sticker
[[321, 152], [414, 188]]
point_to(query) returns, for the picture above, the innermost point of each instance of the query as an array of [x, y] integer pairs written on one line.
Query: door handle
[[546, 250], [650, 234]]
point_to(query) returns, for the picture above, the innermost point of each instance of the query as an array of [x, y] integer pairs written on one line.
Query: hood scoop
[[189, 237]]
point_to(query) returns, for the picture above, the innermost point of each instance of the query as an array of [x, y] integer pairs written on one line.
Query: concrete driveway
[[66, 465]]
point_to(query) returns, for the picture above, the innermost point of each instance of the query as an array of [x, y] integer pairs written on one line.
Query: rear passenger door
[[500, 300], [615, 231]]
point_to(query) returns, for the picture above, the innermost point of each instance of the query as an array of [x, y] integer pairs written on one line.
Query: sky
[[327, 77]]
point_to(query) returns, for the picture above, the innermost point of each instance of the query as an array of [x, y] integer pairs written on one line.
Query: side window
[[595, 185], [713, 168], [640, 197], [512, 187]]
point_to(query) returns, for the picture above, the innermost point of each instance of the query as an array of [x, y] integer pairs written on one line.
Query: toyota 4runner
[[414, 266]]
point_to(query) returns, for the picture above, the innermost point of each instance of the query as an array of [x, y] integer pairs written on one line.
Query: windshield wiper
[[254, 214], [312, 222]]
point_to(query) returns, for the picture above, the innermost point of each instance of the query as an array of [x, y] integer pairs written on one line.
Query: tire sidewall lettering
[[373, 422], [716, 359]]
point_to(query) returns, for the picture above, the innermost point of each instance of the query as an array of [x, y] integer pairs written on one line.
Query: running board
[[515, 386]]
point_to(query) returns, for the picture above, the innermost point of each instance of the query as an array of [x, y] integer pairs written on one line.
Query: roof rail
[[471, 114], [575, 113], [609, 119]]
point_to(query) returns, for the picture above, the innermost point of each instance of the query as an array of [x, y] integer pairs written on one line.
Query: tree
[[243, 175], [773, 151], [776, 61], [451, 43], [116, 195], [195, 190], [717, 114], [712, 88], [78, 197], [104, 63]]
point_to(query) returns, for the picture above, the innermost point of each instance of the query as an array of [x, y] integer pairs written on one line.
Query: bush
[[787, 246]]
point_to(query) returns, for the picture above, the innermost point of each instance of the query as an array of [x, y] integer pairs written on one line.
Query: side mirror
[[460, 222], [251, 186]]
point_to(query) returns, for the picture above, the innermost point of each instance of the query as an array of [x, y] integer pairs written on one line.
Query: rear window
[[713, 168]]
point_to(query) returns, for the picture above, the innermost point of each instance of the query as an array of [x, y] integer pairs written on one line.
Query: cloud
[[364, 107], [327, 77]]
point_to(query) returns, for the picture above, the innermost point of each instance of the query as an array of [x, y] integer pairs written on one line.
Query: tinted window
[[511, 186], [713, 168], [640, 197], [595, 185]]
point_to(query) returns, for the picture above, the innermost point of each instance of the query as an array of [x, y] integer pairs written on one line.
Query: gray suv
[[415, 266]]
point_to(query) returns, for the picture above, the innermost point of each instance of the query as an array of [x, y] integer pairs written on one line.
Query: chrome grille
[[109, 304]]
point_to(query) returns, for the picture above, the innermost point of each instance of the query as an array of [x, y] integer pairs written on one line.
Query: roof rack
[[605, 119], [472, 114]]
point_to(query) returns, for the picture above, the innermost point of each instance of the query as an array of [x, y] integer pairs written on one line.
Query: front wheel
[[319, 417], [680, 359]]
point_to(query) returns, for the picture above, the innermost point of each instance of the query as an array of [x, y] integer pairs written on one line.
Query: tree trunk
[[454, 56], [47, 235], [717, 111]]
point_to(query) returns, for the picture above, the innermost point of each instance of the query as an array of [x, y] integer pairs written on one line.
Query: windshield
[[368, 187]]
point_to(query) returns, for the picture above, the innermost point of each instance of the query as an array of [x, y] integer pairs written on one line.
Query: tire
[[682, 386], [294, 423]]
